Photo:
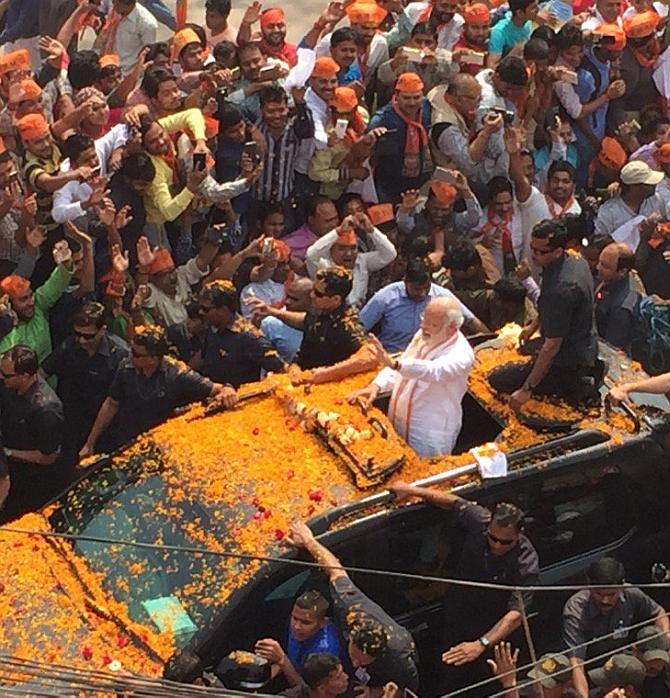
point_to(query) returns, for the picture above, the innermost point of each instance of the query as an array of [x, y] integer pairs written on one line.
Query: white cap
[[638, 172]]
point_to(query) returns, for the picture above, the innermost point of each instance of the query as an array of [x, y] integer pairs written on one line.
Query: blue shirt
[[352, 73], [586, 91], [286, 339], [325, 640], [505, 35], [399, 315]]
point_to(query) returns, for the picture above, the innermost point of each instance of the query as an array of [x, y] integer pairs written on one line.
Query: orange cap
[[346, 237], [109, 59], [182, 39], [445, 193], [663, 154], [642, 24], [345, 99], [16, 60], [409, 82], [32, 126], [273, 15], [612, 154], [381, 213], [366, 12], [616, 32], [22, 90], [325, 67], [282, 250], [162, 262], [478, 13], [211, 127], [14, 286]]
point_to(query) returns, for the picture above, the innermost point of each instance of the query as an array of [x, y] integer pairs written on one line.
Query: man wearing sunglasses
[[495, 550]]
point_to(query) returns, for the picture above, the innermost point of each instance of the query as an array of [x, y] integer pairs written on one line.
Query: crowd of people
[[179, 218]]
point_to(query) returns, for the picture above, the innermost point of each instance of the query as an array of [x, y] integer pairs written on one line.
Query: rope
[[192, 550]]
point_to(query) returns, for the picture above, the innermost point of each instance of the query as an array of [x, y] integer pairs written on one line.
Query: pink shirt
[[228, 34]]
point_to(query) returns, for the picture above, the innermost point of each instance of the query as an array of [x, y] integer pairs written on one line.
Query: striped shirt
[[278, 176], [33, 167]]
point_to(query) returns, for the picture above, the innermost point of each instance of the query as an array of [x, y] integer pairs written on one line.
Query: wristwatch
[[485, 642]]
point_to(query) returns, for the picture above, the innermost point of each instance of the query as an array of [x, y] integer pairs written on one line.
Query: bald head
[[465, 94], [442, 318], [615, 262], [298, 294]]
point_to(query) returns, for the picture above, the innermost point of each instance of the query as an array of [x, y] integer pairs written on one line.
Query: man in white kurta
[[428, 381]]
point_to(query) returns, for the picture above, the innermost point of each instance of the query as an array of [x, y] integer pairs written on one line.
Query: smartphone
[[14, 180], [568, 76], [442, 174], [268, 245], [251, 149], [555, 117], [341, 128], [387, 135], [414, 55], [507, 114], [199, 161], [473, 57], [95, 171], [267, 73]]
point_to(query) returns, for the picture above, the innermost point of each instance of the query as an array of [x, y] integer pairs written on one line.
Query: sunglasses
[[204, 309], [500, 541], [85, 335], [320, 294], [136, 355]]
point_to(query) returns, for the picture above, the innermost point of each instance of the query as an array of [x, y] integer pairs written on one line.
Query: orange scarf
[[509, 258], [416, 158], [645, 61], [553, 206]]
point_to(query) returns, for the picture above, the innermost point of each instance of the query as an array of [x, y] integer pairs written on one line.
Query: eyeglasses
[[85, 335], [204, 309], [500, 541], [320, 294], [137, 355]]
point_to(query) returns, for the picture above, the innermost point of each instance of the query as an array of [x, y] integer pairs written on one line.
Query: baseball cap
[[652, 644], [551, 670], [638, 172], [619, 670]]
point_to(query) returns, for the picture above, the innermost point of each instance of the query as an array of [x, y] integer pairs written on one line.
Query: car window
[[575, 511]]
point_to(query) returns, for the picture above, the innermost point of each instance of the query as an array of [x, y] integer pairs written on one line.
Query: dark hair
[[498, 185], [249, 46], [461, 256], [138, 166], [506, 514], [160, 48], [317, 667], [417, 272], [84, 69], [415, 247], [273, 94], [92, 313], [146, 122], [153, 78], [229, 115], [265, 210], [73, 146], [24, 359], [536, 50], [569, 35], [223, 7], [554, 232], [193, 310], [152, 338], [225, 53], [369, 636], [606, 571], [345, 200], [313, 601], [221, 294], [424, 28], [336, 280], [561, 166], [546, 33], [339, 36], [509, 290], [512, 70], [519, 5], [313, 202]]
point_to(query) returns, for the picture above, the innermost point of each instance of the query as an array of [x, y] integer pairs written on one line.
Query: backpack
[[651, 340]]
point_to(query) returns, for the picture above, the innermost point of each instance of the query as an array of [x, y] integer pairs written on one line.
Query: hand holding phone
[[199, 161]]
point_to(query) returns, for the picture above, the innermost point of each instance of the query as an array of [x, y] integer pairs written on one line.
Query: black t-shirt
[[145, 402], [32, 421], [184, 343], [237, 356], [83, 380], [566, 311], [399, 662], [518, 567], [329, 338]]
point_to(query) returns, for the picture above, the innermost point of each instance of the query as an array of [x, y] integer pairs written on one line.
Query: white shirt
[[135, 31], [318, 257], [597, 20], [520, 236], [428, 388], [320, 112], [448, 33], [172, 309], [270, 292], [377, 53], [540, 207], [68, 199]]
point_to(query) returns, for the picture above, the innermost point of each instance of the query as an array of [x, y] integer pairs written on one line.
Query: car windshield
[[173, 590]]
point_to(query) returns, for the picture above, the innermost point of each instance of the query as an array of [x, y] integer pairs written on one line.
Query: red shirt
[[470, 68]]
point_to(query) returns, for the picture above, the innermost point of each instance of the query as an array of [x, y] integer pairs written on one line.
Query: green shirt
[[34, 333]]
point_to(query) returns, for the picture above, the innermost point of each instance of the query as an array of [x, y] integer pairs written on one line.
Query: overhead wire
[[192, 550]]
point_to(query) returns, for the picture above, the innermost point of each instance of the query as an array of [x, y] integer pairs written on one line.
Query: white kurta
[[428, 388]]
